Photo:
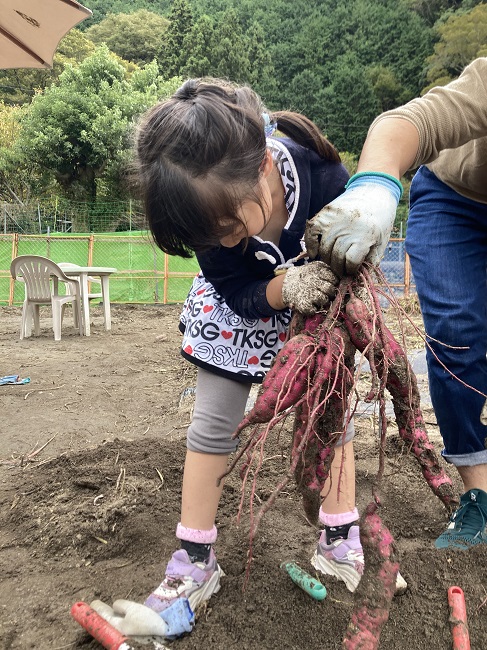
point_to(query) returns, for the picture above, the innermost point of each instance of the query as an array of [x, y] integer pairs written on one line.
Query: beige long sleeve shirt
[[452, 125]]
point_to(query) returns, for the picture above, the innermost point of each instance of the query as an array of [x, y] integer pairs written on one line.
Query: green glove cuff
[[378, 175]]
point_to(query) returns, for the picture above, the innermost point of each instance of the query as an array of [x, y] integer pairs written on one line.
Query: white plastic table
[[83, 273]]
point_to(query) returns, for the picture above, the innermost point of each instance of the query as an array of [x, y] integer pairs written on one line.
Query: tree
[[218, 48], [136, 37], [103, 8], [262, 77], [198, 45], [387, 88], [312, 36], [304, 95], [349, 105], [463, 37], [16, 174], [431, 10], [79, 127], [174, 56], [230, 56], [386, 33]]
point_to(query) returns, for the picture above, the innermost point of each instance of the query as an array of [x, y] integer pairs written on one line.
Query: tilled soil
[[92, 514]]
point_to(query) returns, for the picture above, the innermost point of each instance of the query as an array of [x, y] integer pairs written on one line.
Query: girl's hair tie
[[269, 127]]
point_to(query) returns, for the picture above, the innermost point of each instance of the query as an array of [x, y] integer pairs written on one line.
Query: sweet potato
[[375, 591], [285, 383]]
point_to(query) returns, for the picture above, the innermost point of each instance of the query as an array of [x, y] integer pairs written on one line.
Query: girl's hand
[[309, 288]]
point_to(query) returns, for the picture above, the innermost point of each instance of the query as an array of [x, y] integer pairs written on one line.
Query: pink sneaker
[[344, 559], [196, 581]]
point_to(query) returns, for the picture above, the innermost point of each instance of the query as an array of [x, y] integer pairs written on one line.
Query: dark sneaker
[[467, 524], [196, 581], [344, 559]]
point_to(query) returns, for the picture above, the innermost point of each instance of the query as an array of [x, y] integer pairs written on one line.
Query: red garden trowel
[[458, 619]]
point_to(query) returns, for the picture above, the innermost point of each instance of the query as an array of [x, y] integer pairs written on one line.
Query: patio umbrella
[[30, 30]]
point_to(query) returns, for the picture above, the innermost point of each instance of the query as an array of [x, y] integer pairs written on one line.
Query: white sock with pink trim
[[338, 525], [338, 519], [196, 542]]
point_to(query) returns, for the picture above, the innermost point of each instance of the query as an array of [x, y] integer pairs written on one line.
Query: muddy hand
[[309, 288], [483, 413], [356, 226]]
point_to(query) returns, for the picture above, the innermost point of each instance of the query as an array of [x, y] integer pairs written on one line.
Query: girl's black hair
[[199, 156]]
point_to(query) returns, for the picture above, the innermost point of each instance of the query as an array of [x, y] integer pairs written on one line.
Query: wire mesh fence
[[59, 215], [113, 234], [396, 267], [144, 273]]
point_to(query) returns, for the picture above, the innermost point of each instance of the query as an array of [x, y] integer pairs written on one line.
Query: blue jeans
[[447, 243]]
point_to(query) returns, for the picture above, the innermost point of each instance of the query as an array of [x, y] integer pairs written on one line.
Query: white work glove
[[139, 621], [356, 226], [309, 288]]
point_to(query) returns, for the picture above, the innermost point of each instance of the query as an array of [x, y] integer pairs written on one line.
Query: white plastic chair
[[41, 277]]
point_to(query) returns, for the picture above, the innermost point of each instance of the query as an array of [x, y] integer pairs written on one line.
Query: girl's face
[[254, 217]]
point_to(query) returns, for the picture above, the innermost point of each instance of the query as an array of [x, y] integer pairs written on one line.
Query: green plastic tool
[[307, 583]]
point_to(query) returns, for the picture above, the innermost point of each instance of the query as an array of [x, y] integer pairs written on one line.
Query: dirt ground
[[91, 454]]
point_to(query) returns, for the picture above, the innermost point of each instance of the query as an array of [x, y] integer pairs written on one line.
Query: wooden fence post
[[166, 277], [407, 275], [91, 243], [15, 250]]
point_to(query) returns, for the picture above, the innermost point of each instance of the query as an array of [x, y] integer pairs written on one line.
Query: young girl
[[215, 182]]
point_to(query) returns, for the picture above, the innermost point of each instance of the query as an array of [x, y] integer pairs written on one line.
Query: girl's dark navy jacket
[[241, 274]]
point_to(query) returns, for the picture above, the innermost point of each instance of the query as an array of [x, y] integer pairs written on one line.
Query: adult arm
[[356, 226], [391, 147]]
